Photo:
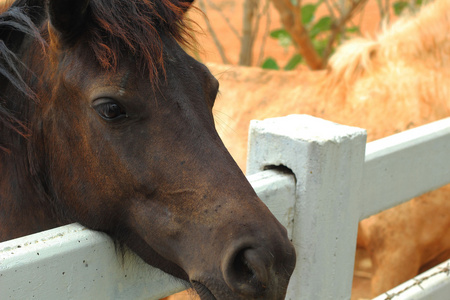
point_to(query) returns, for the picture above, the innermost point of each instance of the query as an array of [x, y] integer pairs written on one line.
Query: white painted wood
[[72, 262], [433, 284], [327, 161], [396, 169], [405, 165], [277, 190]]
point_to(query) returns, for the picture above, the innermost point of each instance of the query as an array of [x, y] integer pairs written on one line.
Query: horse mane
[[14, 24], [423, 37]]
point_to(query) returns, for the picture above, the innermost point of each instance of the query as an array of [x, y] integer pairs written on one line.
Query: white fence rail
[[336, 181], [72, 262]]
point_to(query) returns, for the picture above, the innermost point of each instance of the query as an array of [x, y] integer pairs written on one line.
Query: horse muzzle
[[249, 269]]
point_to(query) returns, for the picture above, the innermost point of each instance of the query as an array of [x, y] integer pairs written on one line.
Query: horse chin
[[203, 292]]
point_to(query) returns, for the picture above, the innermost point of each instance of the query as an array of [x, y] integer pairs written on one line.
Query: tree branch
[[292, 22], [266, 33], [213, 34], [339, 25], [246, 54], [330, 9], [227, 20]]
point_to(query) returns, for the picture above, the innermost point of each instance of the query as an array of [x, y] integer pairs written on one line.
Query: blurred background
[[287, 34]]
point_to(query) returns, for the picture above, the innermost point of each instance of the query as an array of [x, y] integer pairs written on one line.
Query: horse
[[385, 84], [106, 121]]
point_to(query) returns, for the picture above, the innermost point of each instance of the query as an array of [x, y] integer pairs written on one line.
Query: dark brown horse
[[106, 121]]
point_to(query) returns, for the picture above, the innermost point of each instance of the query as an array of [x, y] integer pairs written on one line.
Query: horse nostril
[[247, 272]]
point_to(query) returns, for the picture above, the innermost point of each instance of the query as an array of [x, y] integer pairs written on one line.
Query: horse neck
[[24, 205], [24, 208]]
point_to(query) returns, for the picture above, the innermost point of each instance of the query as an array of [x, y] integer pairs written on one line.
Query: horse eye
[[110, 110]]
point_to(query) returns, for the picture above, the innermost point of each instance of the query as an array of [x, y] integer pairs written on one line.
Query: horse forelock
[[136, 26]]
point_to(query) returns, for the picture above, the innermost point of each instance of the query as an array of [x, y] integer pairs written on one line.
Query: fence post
[[327, 160]]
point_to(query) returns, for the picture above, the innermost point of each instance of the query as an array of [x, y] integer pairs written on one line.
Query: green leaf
[[279, 33], [293, 62], [283, 37], [353, 29], [320, 45], [308, 11], [270, 63], [324, 24], [285, 42], [399, 6]]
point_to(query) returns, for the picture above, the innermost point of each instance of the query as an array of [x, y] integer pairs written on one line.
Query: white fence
[[336, 181]]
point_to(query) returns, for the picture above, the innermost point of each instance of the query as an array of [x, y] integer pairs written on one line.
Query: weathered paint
[[72, 262], [405, 165], [327, 161], [338, 183], [433, 284], [277, 191]]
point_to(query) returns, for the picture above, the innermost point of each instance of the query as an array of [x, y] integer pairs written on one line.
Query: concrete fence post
[[327, 160]]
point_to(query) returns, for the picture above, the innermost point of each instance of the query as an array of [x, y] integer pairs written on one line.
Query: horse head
[[122, 140]]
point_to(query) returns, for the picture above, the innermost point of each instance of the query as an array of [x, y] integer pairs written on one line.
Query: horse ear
[[67, 17]]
